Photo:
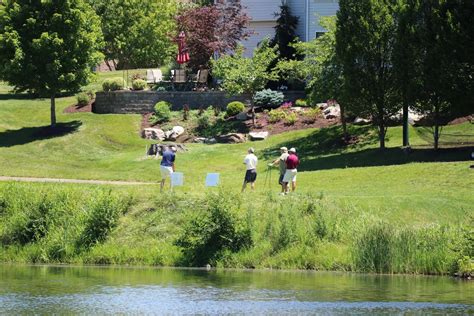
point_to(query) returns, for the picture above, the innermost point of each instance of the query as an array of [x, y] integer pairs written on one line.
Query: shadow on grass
[[27, 135], [222, 127], [324, 149]]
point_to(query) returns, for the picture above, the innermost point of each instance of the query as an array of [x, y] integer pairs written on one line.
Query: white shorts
[[290, 175], [166, 172]]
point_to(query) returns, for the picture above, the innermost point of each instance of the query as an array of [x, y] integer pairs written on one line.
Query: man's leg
[[293, 186], [252, 185], [162, 184], [244, 185]]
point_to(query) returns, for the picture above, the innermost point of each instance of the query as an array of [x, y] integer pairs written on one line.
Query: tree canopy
[[137, 33], [213, 29], [48, 47], [245, 75]]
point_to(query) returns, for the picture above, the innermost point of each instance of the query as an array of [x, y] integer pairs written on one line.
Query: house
[[263, 18]]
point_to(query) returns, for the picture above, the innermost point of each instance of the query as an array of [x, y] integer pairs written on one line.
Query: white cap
[[292, 150]]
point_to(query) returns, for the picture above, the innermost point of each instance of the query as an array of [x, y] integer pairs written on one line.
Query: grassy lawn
[[420, 188]]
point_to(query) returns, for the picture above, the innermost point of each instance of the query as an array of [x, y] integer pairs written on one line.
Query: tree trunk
[[406, 141], [53, 111], [107, 62], [382, 134], [344, 124], [436, 130]]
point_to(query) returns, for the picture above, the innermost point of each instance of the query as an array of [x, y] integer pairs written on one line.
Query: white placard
[[177, 179], [212, 180]]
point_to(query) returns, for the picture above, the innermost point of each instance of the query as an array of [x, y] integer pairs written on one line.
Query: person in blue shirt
[[167, 165]]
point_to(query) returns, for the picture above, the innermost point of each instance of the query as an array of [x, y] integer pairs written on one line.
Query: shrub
[[301, 103], [204, 120], [275, 116], [215, 230], [234, 108], [101, 218], [312, 114], [162, 112], [113, 84], [291, 119], [138, 84], [161, 89], [83, 99], [268, 98], [91, 94]]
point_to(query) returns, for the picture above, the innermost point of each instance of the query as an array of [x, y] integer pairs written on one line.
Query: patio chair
[[179, 76], [153, 76], [201, 78]]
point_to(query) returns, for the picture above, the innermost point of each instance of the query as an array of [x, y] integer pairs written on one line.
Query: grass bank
[[46, 223], [353, 203]]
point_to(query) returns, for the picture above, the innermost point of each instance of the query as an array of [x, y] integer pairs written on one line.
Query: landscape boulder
[[332, 112], [231, 138], [153, 133], [361, 121], [242, 116], [174, 133], [322, 106], [199, 140], [258, 135], [210, 141]]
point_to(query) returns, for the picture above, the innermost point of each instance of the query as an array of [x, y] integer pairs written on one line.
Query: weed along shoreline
[[44, 223]]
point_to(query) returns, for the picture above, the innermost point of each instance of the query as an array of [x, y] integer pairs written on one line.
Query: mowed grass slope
[[423, 184], [348, 197]]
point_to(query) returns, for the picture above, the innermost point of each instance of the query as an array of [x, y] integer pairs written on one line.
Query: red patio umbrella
[[183, 55]]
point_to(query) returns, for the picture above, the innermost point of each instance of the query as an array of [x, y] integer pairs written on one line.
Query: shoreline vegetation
[[48, 223]]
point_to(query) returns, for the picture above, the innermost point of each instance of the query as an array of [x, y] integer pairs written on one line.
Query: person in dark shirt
[[167, 166], [292, 163]]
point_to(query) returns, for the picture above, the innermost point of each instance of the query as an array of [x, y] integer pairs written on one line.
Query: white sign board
[[212, 180], [177, 179]]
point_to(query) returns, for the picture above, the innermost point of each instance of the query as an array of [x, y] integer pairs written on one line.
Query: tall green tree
[[319, 69], [48, 47], [137, 33], [246, 75], [407, 57], [447, 71], [364, 45], [285, 32]]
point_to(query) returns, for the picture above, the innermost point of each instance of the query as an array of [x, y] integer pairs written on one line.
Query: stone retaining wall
[[123, 102]]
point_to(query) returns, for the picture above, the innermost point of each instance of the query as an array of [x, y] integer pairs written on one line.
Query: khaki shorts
[[166, 172], [290, 175]]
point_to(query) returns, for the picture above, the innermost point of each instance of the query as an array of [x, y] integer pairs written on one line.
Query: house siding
[[317, 9], [263, 20], [261, 10], [298, 8], [261, 30]]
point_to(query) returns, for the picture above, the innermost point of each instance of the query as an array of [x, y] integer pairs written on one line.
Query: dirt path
[[30, 179]]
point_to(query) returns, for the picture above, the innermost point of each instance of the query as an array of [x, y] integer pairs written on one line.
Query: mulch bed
[[76, 108], [281, 127]]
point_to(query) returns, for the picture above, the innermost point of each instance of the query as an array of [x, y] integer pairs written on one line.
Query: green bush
[[275, 116], [113, 84], [214, 231], [91, 94], [83, 99], [139, 84], [312, 115], [291, 118], [205, 119], [234, 108], [162, 112], [101, 218], [301, 103], [268, 98]]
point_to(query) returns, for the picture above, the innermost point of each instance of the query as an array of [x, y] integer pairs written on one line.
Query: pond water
[[122, 290]]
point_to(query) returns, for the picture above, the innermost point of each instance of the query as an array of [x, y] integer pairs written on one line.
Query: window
[[319, 34]]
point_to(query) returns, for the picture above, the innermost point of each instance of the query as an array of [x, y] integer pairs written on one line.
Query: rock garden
[[268, 114]]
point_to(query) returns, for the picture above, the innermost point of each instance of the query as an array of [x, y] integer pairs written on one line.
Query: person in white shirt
[[250, 162]]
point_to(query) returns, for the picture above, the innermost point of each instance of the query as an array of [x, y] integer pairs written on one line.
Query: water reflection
[[110, 290]]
